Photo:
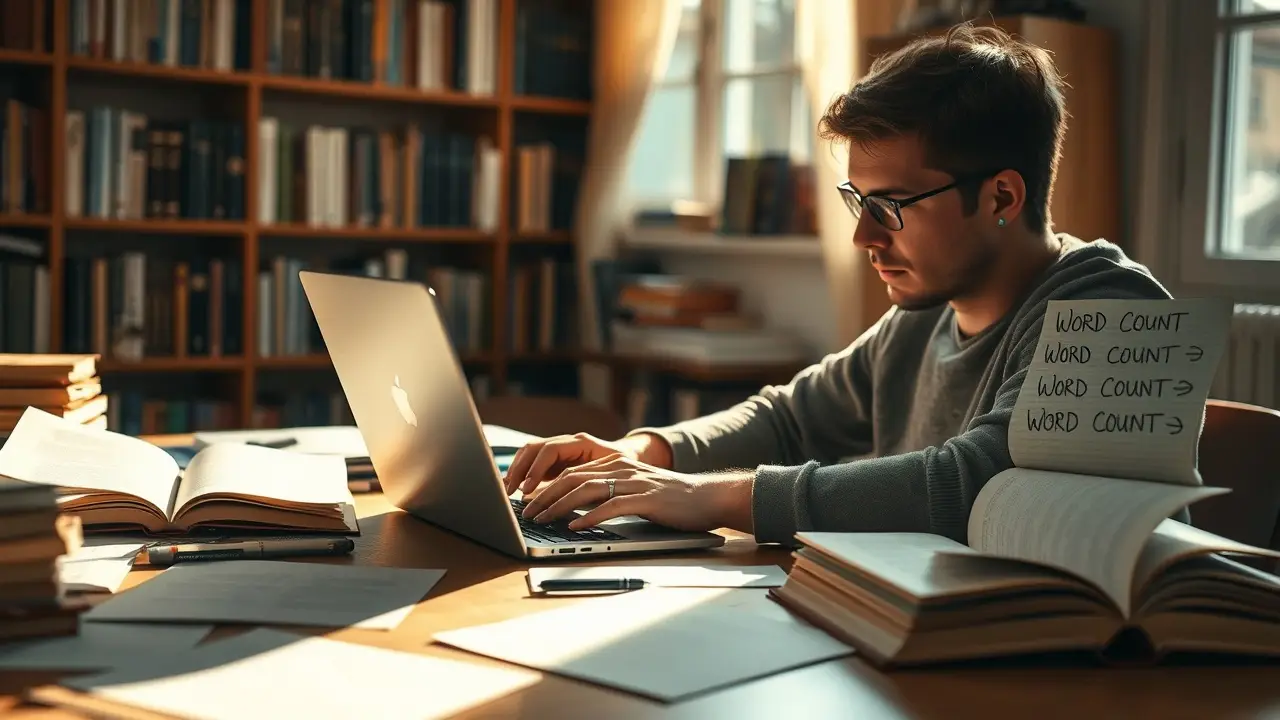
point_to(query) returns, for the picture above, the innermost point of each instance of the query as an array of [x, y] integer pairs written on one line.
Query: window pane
[[758, 33], [1248, 7], [684, 54], [766, 115], [661, 164], [1251, 211]]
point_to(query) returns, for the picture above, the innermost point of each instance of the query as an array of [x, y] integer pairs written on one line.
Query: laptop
[[413, 406]]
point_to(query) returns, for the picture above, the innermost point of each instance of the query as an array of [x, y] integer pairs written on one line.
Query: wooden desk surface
[[481, 586]]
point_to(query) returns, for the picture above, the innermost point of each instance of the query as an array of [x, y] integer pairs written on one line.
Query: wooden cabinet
[[1086, 193]]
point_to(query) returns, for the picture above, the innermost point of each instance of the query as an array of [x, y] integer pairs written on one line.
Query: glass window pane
[[1250, 7], [758, 34], [684, 54], [661, 164], [766, 115], [1251, 211]]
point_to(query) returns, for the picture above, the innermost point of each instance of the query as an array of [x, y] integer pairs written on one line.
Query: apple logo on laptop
[[401, 399]]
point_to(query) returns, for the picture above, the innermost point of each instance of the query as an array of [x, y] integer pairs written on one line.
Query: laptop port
[[586, 549], [566, 551]]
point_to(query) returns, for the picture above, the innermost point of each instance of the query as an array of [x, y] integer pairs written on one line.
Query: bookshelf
[[66, 68]]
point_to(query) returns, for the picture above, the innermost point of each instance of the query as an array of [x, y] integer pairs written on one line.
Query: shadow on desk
[[397, 539]]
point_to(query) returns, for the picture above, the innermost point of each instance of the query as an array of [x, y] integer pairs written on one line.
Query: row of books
[[24, 158], [122, 165], [136, 305], [211, 34], [768, 195], [553, 53], [542, 306], [362, 177], [432, 45], [286, 326], [24, 296]]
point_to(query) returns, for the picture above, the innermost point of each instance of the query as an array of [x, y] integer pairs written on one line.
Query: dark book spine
[[235, 186], [198, 310]]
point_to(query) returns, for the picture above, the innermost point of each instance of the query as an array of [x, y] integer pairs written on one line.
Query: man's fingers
[[619, 506], [557, 489], [552, 453], [594, 489]]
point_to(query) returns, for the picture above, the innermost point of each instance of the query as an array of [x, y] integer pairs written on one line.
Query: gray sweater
[[900, 430]]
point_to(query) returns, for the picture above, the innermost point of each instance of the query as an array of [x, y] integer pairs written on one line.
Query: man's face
[[939, 254]]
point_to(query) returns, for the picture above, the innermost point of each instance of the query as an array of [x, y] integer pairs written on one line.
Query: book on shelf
[[1074, 548], [33, 536], [114, 482]]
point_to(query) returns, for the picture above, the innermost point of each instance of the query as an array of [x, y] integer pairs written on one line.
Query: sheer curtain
[[633, 40], [827, 51]]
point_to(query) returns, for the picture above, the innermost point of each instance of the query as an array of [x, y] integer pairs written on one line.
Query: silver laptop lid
[[412, 403]]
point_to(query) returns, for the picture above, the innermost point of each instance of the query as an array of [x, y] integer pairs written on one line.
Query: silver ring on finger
[[611, 488]]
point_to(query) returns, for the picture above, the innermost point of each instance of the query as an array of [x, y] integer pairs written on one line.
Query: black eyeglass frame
[[857, 202]]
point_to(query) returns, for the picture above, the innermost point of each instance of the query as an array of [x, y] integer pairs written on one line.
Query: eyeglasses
[[887, 211]]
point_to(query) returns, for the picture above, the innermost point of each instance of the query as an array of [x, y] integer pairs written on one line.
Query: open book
[[1073, 548], [115, 482]]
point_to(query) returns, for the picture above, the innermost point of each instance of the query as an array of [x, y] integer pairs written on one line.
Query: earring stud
[[1000, 222]]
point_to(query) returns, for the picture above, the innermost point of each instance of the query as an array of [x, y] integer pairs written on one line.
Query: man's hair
[[979, 100]]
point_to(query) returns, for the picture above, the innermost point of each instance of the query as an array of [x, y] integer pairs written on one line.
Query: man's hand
[[677, 500], [539, 462]]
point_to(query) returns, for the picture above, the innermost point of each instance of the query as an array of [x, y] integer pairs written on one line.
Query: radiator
[[1247, 372]]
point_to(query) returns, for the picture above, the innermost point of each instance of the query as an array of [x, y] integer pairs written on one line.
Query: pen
[[277, 444], [592, 584], [248, 550]]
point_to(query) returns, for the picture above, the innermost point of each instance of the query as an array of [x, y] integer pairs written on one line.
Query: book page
[[284, 478], [1092, 527], [47, 450], [1173, 541], [1118, 387]]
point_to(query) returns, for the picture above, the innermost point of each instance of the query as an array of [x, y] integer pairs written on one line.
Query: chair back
[[1238, 450], [545, 416]]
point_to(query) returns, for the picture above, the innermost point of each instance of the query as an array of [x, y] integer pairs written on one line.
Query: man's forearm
[[650, 448]]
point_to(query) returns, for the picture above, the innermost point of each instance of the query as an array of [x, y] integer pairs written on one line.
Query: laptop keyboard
[[558, 531]]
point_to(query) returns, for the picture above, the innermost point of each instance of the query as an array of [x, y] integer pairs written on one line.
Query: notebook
[[114, 482], [1073, 548]]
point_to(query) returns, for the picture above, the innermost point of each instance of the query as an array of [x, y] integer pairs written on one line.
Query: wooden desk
[[481, 586]]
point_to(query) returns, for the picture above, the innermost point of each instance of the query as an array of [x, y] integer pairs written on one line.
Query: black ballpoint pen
[[563, 584]]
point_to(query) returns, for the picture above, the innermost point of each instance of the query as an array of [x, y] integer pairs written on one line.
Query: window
[[732, 88], [1223, 68]]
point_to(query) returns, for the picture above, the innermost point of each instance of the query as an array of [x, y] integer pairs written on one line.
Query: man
[[953, 148]]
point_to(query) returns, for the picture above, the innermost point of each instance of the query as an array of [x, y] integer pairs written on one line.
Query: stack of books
[[64, 385], [33, 536]]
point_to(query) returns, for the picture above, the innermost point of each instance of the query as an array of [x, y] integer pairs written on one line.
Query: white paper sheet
[[273, 593], [755, 576], [100, 646], [663, 643], [269, 674], [97, 568]]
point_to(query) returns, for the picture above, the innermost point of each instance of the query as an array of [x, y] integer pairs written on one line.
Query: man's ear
[[1008, 195]]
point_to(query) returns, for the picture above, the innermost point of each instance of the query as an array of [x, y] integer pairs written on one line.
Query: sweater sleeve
[[786, 424], [929, 490]]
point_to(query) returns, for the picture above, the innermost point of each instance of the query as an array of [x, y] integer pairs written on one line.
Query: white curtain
[[827, 48], [633, 41]]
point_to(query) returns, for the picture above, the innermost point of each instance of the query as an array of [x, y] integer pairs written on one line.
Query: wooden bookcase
[[60, 73]]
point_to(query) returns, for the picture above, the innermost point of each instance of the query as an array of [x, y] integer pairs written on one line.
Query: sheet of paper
[[1173, 541], [726, 576], [1118, 387], [273, 593], [266, 472], [503, 440], [94, 576], [48, 450], [267, 674], [96, 548], [1093, 527], [100, 646], [662, 643], [344, 440]]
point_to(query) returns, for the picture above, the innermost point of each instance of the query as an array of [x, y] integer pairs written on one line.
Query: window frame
[[1189, 60], [709, 80]]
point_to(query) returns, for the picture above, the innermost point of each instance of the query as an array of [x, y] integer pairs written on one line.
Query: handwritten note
[[1118, 387]]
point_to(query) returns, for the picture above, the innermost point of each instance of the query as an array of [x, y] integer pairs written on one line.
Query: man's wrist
[[650, 449], [734, 495]]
